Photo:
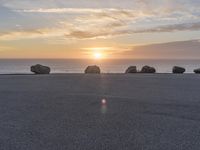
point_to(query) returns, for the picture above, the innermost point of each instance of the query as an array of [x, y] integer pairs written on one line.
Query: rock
[[39, 69], [177, 69], [197, 71], [148, 69], [131, 69], [93, 70]]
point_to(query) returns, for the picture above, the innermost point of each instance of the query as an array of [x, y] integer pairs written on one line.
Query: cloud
[[86, 20], [166, 28], [66, 10], [5, 48], [92, 23], [95, 25], [171, 50], [107, 33], [173, 12], [176, 27], [30, 34], [115, 28]]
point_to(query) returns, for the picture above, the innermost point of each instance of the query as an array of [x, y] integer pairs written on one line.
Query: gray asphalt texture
[[64, 112]]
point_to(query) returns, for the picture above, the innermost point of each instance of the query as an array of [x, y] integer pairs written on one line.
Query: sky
[[133, 29]]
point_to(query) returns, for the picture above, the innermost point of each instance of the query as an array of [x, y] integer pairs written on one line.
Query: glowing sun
[[97, 55]]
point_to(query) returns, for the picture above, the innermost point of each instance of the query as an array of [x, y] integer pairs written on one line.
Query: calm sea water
[[12, 66]]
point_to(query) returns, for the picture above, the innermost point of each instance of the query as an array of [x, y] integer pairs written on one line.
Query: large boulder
[[131, 69], [148, 69], [177, 69], [197, 71], [93, 70], [40, 69]]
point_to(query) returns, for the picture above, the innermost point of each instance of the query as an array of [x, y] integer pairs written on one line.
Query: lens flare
[[103, 106], [103, 101]]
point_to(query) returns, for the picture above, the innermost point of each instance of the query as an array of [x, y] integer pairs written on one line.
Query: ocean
[[22, 66]]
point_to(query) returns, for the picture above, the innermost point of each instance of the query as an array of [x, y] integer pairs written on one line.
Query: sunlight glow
[[97, 55]]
